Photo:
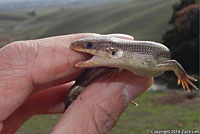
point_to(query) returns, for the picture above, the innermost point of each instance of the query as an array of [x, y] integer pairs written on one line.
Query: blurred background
[[171, 22]]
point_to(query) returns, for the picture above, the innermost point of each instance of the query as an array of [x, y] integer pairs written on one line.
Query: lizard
[[143, 58]]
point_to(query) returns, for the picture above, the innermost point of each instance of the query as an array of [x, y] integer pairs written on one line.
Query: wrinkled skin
[[29, 67]]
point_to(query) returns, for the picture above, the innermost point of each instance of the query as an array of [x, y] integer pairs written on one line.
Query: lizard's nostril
[[75, 45]]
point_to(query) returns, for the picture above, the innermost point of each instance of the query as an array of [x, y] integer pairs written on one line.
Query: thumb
[[100, 105]]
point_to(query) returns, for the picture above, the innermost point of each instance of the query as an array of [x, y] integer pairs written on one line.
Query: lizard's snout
[[76, 45]]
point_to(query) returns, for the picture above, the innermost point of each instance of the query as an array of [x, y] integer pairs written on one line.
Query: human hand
[[29, 67]]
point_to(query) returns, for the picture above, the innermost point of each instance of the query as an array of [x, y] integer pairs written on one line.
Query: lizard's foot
[[185, 81], [115, 73], [112, 74], [134, 103]]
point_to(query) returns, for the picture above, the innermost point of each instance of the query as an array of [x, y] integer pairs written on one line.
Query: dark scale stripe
[[138, 48], [142, 49], [159, 52]]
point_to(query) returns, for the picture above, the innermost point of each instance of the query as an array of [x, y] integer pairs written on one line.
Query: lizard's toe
[[185, 81]]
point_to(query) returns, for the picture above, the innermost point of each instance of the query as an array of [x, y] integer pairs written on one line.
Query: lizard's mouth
[[79, 46]]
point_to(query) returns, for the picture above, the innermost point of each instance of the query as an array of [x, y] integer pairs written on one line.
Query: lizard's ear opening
[[114, 52]]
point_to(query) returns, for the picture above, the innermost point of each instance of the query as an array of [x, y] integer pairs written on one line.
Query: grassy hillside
[[12, 23], [11, 17], [144, 19]]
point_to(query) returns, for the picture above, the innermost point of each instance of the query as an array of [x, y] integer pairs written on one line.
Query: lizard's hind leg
[[183, 77]]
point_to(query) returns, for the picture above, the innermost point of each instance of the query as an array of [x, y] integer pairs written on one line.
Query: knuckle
[[103, 120]]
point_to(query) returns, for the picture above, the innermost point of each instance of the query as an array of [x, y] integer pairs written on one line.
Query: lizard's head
[[97, 46]]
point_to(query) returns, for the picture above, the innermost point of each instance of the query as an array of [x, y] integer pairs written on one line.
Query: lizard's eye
[[89, 45]]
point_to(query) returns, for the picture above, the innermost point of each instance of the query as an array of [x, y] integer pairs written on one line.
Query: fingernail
[[126, 36], [130, 92]]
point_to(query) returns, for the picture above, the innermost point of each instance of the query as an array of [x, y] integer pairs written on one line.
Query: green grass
[[149, 116], [136, 120]]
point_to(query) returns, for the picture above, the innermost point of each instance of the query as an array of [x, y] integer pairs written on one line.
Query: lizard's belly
[[142, 68], [147, 72]]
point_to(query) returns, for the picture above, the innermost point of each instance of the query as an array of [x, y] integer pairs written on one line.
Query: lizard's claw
[[116, 73], [134, 103], [113, 73], [185, 81]]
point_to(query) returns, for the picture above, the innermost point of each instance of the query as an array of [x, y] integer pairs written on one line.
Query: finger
[[58, 66], [49, 101], [27, 66], [123, 36], [100, 105]]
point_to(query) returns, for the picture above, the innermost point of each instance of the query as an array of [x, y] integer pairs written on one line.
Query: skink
[[143, 58]]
